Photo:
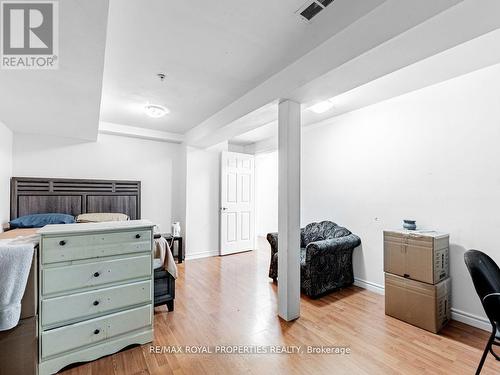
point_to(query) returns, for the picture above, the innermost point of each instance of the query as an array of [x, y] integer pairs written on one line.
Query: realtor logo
[[29, 37]]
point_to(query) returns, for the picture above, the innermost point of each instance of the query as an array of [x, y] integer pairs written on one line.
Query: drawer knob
[[137, 236], [96, 332], [96, 274], [96, 303], [62, 243]]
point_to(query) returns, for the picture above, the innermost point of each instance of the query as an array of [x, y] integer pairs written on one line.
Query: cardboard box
[[19, 349], [420, 304], [417, 255]]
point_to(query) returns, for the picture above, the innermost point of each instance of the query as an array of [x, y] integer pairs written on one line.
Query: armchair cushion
[[321, 231], [316, 232]]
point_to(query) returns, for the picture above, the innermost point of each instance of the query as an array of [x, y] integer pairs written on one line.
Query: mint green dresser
[[96, 291]]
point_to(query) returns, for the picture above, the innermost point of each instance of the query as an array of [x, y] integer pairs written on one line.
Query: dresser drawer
[[96, 302], [64, 339], [74, 247], [65, 278]]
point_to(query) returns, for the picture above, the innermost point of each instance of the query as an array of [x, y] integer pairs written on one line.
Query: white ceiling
[[63, 102], [394, 35], [224, 59], [476, 54], [269, 130], [211, 51], [455, 26]]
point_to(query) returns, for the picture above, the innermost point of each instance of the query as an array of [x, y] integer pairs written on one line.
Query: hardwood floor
[[230, 301]]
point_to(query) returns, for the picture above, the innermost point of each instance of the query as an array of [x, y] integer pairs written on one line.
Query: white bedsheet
[[15, 263]]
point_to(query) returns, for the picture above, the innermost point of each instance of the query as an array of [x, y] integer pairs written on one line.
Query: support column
[[289, 210]]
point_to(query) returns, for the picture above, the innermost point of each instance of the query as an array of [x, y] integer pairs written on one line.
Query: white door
[[237, 203]]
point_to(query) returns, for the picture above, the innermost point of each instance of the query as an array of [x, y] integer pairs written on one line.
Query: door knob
[[223, 208]]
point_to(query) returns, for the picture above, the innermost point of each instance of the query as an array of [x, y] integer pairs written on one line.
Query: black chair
[[486, 278]]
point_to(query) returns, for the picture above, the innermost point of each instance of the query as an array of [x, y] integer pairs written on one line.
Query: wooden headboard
[[73, 196]]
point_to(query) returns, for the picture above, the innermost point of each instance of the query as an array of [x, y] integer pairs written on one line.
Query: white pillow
[[100, 217]]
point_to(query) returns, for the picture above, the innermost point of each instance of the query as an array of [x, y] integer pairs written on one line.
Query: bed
[[34, 195]]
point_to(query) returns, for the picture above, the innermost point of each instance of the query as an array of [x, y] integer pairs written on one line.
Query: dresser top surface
[[94, 227], [418, 233]]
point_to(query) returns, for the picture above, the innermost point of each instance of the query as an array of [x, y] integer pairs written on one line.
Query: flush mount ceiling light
[[321, 107], [155, 110]]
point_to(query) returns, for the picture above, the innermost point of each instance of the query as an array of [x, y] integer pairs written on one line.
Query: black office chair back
[[484, 272]]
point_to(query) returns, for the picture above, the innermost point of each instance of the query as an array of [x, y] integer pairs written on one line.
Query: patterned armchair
[[325, 257]]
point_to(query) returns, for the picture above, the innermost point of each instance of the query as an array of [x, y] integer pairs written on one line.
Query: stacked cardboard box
[[417, 283]]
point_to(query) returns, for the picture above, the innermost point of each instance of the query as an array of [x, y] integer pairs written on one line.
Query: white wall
[[111, 157], [266, 193], [5, 173], [431, 155], [203, 201]]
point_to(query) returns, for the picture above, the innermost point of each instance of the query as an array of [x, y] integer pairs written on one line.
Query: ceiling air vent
[[310, 9]]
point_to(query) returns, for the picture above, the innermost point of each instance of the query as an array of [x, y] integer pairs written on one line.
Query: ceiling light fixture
[[321, 107], [155, 110]]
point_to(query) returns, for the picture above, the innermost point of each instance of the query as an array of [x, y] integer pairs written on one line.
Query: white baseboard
[[458, 315], [373, 287], [470, 319], [202, 254]]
